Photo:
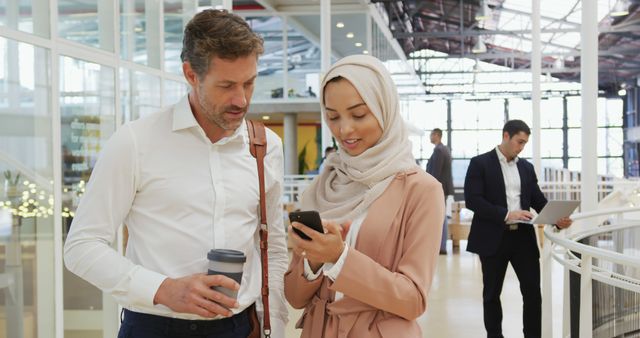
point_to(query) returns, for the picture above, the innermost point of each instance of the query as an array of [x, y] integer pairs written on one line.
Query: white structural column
[[589, 79], [228, 5], [40, 11], [290, 144], [12, 276], [547, 291], [369, 44], [154, 33], [44, 262], [128, 15], [325, 59], [536, 62], [189, 8], [106, 15], [566, 304], [589, 191], [56, 151], [586, 297], [285, 57]]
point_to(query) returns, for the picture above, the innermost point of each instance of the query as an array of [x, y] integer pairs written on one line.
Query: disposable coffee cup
[[228, 263]]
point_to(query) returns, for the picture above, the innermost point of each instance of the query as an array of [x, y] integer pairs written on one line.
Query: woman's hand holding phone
[[321, 247]]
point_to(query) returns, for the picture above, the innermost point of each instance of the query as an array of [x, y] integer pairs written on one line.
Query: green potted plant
[[11, 184]]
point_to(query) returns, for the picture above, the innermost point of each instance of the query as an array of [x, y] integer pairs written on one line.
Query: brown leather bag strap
[[258, 148]]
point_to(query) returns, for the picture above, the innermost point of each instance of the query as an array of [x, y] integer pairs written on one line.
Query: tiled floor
[[455, 300]]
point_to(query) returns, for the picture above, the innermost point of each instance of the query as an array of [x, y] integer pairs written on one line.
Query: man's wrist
[[158, 298]]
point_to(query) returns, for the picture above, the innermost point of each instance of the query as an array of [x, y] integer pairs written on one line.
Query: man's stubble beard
[[217, 117]]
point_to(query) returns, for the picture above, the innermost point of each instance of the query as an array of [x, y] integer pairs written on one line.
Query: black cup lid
[[226, 255]]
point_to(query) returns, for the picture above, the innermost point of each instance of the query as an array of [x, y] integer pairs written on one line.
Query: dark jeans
[[517, 248], [142, 325]]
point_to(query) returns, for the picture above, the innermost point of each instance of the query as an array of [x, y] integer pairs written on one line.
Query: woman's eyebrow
[[356, 105]]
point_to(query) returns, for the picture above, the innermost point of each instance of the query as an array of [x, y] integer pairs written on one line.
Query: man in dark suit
[[439, 166], [500, 189]]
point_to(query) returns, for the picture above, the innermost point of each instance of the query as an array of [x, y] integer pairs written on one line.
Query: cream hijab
[[349, 184]]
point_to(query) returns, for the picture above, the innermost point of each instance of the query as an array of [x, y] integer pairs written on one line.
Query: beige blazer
[[386, 277]]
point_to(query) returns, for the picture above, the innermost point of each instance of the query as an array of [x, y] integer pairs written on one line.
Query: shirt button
[[193, 327]]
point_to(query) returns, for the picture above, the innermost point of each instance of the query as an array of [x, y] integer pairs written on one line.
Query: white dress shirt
[[511, 177], [176, 191], [332, 270]]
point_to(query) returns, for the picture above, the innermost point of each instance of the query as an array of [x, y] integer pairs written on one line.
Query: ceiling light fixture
[[622, 92], [349, 35], [365, 52], [483, 12], [558, 63], [479, 47], [265, 117], [358, 44], [621, 8], [340, 25]]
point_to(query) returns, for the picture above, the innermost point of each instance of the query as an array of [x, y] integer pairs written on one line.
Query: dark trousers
[[142, 325], [519, 249]]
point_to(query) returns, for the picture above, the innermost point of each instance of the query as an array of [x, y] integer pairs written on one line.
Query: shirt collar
[[183, 119], [182, 116], [503, 158]]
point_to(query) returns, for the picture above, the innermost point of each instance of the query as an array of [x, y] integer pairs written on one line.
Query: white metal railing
[[293, 187], [578, 257]]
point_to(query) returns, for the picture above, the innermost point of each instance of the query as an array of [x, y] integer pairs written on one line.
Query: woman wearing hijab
[[369, 274]]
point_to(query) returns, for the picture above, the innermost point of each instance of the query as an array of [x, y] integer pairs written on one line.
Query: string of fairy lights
[[26, 200]]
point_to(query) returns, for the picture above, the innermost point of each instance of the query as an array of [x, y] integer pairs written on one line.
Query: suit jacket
[[386, 276], [439, 166], [485, 195]]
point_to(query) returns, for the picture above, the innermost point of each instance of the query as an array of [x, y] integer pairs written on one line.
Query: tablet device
[[553, 211]]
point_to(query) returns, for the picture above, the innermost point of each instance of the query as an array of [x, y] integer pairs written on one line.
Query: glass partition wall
[[71, 72]]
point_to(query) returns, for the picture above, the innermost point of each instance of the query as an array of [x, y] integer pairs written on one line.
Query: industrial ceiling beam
[[524, 55], [455, 34], [524, 70]]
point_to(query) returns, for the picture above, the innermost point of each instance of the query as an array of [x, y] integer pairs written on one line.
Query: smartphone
[[309, 218]]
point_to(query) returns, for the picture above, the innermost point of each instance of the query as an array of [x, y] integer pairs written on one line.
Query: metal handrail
[[563, 249], [604, 212], [604, 254]]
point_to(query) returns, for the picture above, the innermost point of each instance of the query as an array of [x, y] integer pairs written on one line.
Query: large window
[[26, 191], [140, 94], [58, 107], [427, 116], [31, 16], [176, 15], [610, 135], [87, 120], [88, 22], [303, 59], [140, 32], [476, 127], [270, 83]]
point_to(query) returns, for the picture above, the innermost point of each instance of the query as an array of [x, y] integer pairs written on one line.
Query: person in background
[[369, 273], [183, 181], [327, 151], [500, 188], [439, 166]]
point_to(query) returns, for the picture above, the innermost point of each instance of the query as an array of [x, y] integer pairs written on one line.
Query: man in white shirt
[[183, 181], [501, 188]]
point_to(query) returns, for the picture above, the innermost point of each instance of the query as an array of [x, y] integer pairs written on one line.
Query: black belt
[[513, 227], [196, 326]]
